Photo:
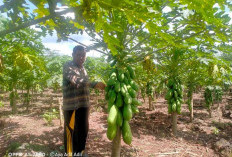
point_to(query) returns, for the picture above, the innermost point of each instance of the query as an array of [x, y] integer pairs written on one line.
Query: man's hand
[[100, 85]]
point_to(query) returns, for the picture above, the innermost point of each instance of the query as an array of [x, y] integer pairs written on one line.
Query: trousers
[[76, 127]]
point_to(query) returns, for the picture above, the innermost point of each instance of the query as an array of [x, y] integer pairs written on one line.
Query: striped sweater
[[75, 86]]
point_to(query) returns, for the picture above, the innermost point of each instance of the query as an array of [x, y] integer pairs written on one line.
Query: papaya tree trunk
[[116, 147], [174, 123], [151, 107], [191, 109], [218, 105], [32, 94], [154, 98], [13, 102], [28, 99], [61, 112], [210, 112], [144, 100], [190, 100], [51, 101]]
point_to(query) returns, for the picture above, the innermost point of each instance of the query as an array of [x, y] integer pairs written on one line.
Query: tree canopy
[[141, 26]]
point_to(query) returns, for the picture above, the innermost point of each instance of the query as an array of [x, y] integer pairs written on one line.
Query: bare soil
[[28, 132]]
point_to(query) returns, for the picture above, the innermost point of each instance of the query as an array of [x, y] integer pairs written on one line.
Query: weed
[[50, 115], [216, 131]]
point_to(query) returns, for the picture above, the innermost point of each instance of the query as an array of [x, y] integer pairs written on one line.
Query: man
[[76, 102]]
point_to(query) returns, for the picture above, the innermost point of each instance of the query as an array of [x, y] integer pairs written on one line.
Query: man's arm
[[73, 76]]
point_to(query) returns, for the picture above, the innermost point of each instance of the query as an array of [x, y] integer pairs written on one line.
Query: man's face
[[79, 57]]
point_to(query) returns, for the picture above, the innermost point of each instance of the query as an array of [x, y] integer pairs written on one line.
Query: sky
[[65, 47]]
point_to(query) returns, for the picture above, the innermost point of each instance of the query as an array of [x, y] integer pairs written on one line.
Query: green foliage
[[208, 94], [50, 115], [54, 64], [150, 89], [97, 68], [23, 61], [12, 147], [215, 131], [121, 25], [1, 104], [218, 94]]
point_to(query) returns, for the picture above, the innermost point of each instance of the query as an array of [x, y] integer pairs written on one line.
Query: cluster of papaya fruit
[[208, 94], [122, 103], [150, 89], [174, 95], [218, 93]]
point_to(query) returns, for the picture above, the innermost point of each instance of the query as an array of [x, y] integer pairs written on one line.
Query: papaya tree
[[173, 67], [22, 56], [149, 68], [218, 71], [194, 77], [54, 65]]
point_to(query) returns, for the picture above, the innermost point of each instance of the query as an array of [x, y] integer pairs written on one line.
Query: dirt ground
[[28, 132]]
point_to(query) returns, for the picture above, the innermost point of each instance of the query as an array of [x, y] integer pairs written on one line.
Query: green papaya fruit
[[129, 80], [120, 76], [128, 87], [127, 74], [120, 119], [123, 89], [117, 87], [126, 133], [111, 82], [174, 107], [107, 88], [106, 96], [134, 85], [127, 99], [119, 100], [111, 132], [127, 112], [109, 106], [178, 103], [136, 102], [170, 83], [113, 75], [174, 86], [112, 95], [109, 93], [132, 92], [126, 81], [176, 95], [179, 91], [134, 109], [112, 117], [168, 95], [131, 71], [173, 100]]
